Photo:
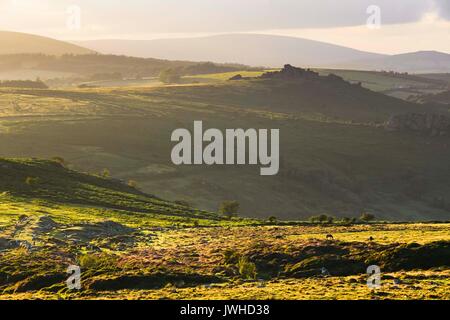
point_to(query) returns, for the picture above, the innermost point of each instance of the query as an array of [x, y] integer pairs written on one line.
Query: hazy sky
[[406, 25]]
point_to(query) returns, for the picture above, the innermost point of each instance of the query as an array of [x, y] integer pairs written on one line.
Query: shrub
[[247, 269], [229, 208], [169, 76], [272, 219], [32, 181], [132, 184], [105, 173], [321, 218], [367, 217]]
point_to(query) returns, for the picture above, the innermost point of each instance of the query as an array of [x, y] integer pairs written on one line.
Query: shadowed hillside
[[336, 156]]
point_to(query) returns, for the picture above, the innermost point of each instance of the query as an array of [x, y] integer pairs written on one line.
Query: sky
[[384, 26]]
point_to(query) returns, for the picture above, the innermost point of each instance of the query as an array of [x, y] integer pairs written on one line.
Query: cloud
[[143, 17], [443, 8]]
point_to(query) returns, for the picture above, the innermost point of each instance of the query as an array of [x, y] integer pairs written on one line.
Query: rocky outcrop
[[290, 73], [429, 124], [236, 77]]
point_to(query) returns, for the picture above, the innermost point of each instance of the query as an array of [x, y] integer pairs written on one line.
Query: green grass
[[336, 157], [132, 245]]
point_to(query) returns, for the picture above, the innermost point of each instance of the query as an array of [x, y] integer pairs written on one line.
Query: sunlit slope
[[15, 42], [46, 188], [336, 157]]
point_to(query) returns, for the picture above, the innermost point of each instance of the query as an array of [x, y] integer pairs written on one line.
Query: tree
[[272, 219], [169, 76], [321, 218], [367, 217], [105, 173], [229, 208]]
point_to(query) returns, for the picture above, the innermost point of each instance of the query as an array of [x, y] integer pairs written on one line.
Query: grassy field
[[399, 86], [116, 215], [131, 245], [336, 158]]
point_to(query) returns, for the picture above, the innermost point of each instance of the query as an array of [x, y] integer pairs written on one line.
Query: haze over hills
[[414, 62], [250, 49], [273, 51], [16, 42]]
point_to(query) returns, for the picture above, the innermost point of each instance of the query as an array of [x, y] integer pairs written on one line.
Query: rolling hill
[[249, 49], [131, 245], [336, 156], [273, 51], [17, 43], [414, 62]]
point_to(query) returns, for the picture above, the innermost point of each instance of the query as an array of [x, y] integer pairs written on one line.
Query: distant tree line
[[92, 64], [38, 84]]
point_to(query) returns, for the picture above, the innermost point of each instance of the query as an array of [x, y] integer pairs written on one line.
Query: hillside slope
[[46, 188], [16, 42], [414, 62], [336, 156], [249, 49]]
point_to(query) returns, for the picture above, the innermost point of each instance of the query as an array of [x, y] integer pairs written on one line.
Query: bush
[[272, 219], [346, 220], [229, 208], [132, 184], [366, 217], [169, 76], [321, 218], [105, 173], [247, 269], [32, 181], [230, 256]]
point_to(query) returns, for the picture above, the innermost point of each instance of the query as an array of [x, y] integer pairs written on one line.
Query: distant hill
[[15, 42], [415, 62], [273, 51], [250, 49]]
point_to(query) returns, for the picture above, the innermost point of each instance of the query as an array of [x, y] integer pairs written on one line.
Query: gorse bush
[[247, 269], [272, 219], [230, 256]]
